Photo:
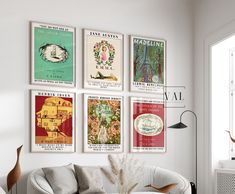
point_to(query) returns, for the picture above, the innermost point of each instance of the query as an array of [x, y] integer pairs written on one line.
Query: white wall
[[211, 17], [171, 20]]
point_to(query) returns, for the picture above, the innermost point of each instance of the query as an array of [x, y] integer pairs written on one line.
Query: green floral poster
[[52, 50], [103, 124], [147, 64]]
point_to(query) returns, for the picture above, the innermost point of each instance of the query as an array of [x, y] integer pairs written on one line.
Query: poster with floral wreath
[[103, 60], [103, 123], [148, 64], [147, 125], [52, 121], [52, 54]]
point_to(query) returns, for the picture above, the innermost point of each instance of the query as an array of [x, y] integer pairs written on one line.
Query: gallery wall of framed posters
[[103, 60], [147, 122], [52, 54], [52, 121], [103, 123], [148, 64], [53, 63]]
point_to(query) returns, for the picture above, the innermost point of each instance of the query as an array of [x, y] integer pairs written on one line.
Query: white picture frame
[[147, 64], [52, 121], [147, 125], [103, 60], [53, 56], [103, 123]]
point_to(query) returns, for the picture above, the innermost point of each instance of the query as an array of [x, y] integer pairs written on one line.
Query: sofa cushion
[[43, 183], [62, 179], [89, 180]]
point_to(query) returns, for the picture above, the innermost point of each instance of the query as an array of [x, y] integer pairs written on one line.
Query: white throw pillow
[[89, 180], [62, 179]]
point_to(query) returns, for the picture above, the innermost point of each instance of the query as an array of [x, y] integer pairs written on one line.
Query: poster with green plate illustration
[[52, 54]]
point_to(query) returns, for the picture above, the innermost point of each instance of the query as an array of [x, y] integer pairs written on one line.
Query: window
[[231, 99], [223, 102]]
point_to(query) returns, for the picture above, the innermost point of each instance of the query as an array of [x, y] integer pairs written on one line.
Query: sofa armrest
[[164, 177], [37, 184]]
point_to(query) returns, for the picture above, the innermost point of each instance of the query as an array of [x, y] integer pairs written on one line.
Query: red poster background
[[66, 127], [148, 141]]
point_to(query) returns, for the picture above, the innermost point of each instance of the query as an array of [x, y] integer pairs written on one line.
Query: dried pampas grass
[[113, 165], [121, 177], [108, 175], [126, 172], [132, 188]]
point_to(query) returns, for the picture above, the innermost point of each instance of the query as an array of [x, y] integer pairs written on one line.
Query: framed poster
[[103, 60], [147, 125], [52, 54], [103, 123], [148, 64], [52, 117]]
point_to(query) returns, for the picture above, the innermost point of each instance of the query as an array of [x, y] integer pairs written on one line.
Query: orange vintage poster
[[52, 121]]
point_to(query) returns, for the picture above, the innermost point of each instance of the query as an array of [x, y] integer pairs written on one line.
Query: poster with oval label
[[147, 125], [52, 54], [103, 60]]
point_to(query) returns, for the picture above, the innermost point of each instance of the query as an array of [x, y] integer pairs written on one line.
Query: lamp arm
[[188, 111]]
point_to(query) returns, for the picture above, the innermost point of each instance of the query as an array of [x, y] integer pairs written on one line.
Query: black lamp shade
[[179, 125]]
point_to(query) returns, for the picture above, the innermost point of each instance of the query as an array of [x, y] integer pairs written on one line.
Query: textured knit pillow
[[62, 179], [89, 180]]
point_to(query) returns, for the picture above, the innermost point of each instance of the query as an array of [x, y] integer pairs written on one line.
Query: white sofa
[[37, 183], [2, 191]]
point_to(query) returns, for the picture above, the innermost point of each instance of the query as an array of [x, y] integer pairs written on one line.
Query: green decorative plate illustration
[[53, 53]]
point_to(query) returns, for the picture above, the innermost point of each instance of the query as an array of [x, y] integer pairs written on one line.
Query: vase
[[14, 175]]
